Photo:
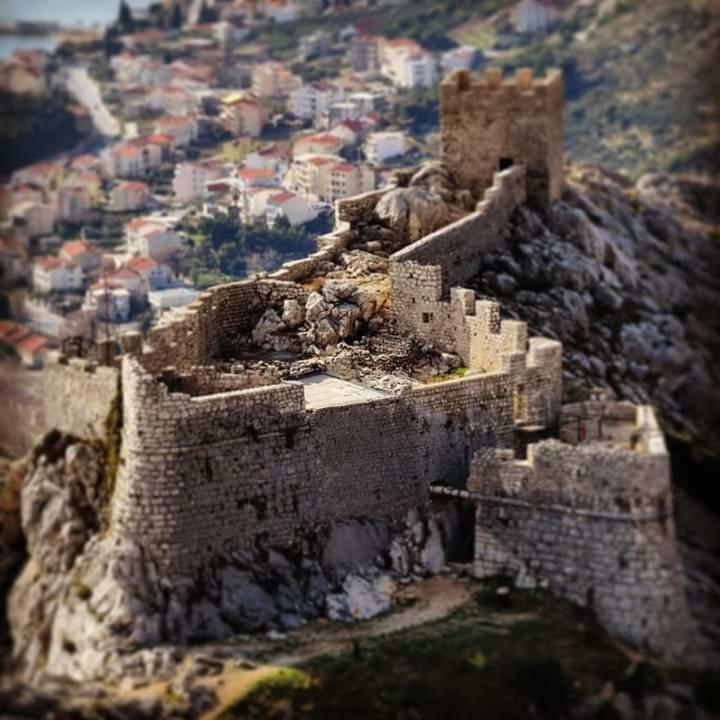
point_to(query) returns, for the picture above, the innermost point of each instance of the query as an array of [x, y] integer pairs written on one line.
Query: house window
[[505, 163], [427, 317]]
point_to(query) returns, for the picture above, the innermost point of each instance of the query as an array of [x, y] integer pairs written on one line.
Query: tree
[[206, 14], [176, 19], [125, 20]]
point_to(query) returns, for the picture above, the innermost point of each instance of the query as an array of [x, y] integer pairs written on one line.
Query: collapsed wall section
[[79, 396], [595, 522], [211, 328]]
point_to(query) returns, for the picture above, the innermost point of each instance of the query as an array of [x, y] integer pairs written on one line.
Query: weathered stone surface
[[293, 313], [269, 324], [361, 598]]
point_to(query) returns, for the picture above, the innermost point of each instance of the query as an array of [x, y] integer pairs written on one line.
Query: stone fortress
[[293, 401]]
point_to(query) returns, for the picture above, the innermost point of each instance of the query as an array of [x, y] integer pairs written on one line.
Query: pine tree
[[176, 20], [125, 19], [207, 15]]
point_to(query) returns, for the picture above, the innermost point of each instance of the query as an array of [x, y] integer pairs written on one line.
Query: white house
[[161, 300], [321, 144], [123, 161], [53, 274], [128, 279], [242, 114], [183, 128], [157, 275], [36, 219], [407, 65], [74, 203], [349, 131], [273, 158], [297, 210], [380, 146], [108, 303], [152, 237], [248, 177], [129, 196], [83, 254], [191, 178], [312, 101], [532, 16]]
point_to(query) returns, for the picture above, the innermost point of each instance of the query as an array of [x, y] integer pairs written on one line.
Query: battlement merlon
[[490, 123], [520, 86]]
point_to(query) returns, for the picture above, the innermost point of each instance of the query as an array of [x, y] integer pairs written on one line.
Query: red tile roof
[[255, 174], [32, 343], [282, 197], [78, 247], [131, 185], [140, 263]]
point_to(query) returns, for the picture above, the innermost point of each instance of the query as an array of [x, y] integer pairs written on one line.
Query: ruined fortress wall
[[594, 522], [78, 396], [457, 249], [488, 122], [203, 477], [211, 327]]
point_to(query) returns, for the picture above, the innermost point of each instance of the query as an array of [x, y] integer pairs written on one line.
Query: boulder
[[269, 324], [337, 291], [367, 301], [345, 317], [293, 313], [316, 307], [361, 598], [413, 212], [325, 333], [244, 604]]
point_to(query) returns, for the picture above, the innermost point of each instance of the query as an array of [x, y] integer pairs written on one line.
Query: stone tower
[[490, 123]]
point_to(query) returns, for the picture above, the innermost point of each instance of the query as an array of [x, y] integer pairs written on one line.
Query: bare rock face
[[626, 277], [316, 307], [325, 333], [269, 324], [90, 605], [361, 598], [413, 212], [345, 316], [293, 314]]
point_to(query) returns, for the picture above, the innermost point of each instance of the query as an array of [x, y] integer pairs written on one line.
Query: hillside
[[642, 94]]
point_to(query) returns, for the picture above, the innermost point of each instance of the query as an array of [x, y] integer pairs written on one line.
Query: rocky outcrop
[[626, 277], [91, 605]]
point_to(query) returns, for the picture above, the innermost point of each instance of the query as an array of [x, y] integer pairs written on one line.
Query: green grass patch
[[477, 662], [480, 36], [452, 375]]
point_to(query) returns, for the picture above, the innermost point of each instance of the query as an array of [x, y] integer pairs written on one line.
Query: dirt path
[[433, 599]]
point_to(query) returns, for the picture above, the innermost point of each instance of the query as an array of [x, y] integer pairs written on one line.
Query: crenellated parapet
[[592, 518], [489, 123]]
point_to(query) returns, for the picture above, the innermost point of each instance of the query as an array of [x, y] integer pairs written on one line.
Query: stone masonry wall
[[203, 477], [595, 522], [490, 123], [457, 249], [209, 328], [78, 396]]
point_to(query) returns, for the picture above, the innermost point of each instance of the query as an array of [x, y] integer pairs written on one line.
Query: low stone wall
[[594, 522], [78, 396]]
